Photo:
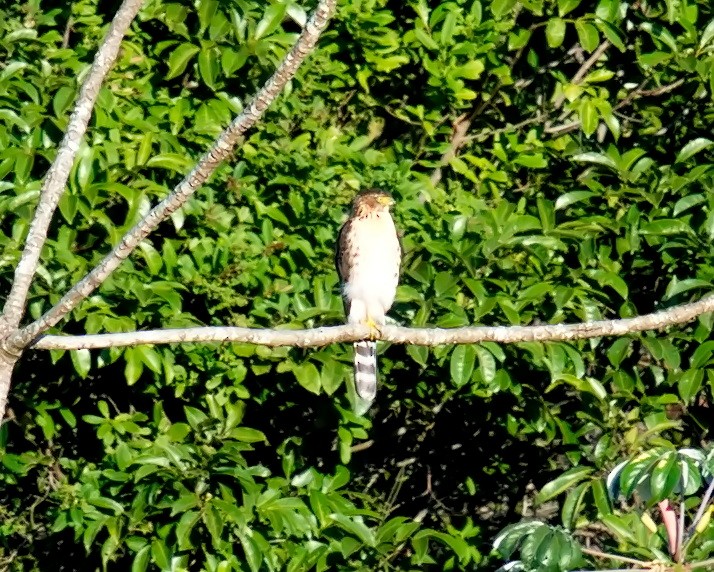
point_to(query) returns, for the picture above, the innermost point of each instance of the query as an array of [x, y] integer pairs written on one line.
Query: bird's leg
[[374, 331]]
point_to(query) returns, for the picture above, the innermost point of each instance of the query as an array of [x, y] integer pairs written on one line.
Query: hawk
[[368, 258]]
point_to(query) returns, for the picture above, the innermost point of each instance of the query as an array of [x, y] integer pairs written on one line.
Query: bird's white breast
[[375, 264]]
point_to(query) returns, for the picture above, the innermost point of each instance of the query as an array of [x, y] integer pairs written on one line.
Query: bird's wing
[[342, 257]]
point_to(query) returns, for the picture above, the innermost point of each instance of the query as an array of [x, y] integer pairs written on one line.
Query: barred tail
[[366, 370]]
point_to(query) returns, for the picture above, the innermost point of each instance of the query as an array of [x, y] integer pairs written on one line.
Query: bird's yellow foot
[[374, 331]]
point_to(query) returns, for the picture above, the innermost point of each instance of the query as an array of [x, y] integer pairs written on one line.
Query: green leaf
[[588, 36], [572, 197], [555, 32], [486, 363], [598, 76], [618, 350], [613, 35], [426, 40], [184, 503], [636, 472], [248, 435], [566, 6], [692, 148], [161, 554], [272, 18], [308, 376], [420, 354], [587, 385], [82, 362], [689, 384], [660, 33], [621, 529], [500, 8], [213, 521], [150, 358], [686, 203], [599, 158], [111, 504], [195, 417], [471, 70], [463, 360], [252, 551], [208, 67], [562, 483], [141, 560], [170, 161], [702, 355], [447, 28], [180, 58], [356, 527], [666, 475], [134, 365], [572, 506], [537, 161], [184, 528], [601, 498], [676, 287], [62, 100], [207, 11], [588, 116], [508, 540], [707, 35], [665, 227]]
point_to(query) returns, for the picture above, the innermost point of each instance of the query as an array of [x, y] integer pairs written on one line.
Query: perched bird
[[368, 258]]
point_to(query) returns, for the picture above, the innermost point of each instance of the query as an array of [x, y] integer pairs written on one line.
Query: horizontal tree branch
[[221, 149], [400, 335]]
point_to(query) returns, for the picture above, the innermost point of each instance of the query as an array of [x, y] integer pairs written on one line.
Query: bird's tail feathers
[[366, 370]]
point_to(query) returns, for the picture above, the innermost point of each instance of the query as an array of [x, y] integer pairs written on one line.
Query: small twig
[[525, 123], [701, 564], [661, 90], [631, 96], [458, 137], [67, 32], [582, 72], [361, 446], [620, 570], [679, 553], [702, 508], [599, 554], [564, 128]]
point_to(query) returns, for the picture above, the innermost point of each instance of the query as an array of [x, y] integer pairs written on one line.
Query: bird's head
[[372, 201]]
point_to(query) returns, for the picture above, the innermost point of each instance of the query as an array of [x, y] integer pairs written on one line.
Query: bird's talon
[[374, 332]]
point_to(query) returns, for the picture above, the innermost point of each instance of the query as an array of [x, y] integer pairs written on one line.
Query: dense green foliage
[[527, 193]]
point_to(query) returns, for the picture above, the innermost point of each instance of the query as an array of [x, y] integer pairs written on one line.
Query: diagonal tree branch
[[205, 167], [395, 334], [52, 188], [54, 184], [583, 70]]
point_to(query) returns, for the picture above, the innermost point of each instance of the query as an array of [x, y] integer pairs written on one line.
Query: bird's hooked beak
[[385, 200]]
